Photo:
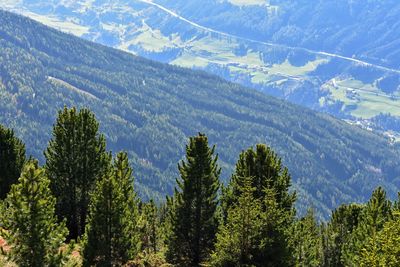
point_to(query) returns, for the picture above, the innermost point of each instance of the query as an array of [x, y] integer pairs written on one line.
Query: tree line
[[81, 209]]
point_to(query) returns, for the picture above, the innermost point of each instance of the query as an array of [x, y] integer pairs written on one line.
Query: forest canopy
[[94, 217]]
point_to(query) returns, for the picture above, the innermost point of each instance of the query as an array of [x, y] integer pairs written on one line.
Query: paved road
[[322, 53]]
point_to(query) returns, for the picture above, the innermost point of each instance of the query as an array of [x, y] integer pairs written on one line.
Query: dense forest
[[149, 109], [81, 209], [289, 49], [367, 30]]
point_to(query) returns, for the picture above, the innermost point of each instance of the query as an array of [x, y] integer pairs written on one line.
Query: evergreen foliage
[[266, 171], [384, 248], [337, 233], [75, 158], [194, 219], [253, 225], [12, 159], [306, 238], [111, 237], [30, 223], [275, 249], [148, 109], [259, 174], [376, 213], [150, 223], [238, 239]]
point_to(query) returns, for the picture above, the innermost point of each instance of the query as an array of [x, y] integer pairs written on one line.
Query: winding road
[[321, 53]]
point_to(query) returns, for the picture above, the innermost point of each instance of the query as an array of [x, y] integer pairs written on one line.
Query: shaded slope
[[334, 56], [149, 109]]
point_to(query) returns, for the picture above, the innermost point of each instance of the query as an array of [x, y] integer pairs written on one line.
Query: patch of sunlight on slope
[[208, 50], [249, 2], [10, 3], [64, 84], [363, 100], [151, 40], [53, 21], [190, 60], [289, 69]]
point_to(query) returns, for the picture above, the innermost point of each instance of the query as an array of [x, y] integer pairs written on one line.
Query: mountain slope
[[149, 109], [335, 56]]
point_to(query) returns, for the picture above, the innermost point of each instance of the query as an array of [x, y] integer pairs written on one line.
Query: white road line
[[322, 53]]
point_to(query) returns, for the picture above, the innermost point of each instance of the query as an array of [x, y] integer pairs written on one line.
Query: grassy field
[[53, 21], [151, 40], [249, 2], [366, 99]]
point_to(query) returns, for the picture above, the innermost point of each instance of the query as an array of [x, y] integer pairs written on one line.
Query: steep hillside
[[340, 57], [149, 109]]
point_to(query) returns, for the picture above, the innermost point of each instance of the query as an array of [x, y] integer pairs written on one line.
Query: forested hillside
[[335, 56], [81, 209], [149, 109]]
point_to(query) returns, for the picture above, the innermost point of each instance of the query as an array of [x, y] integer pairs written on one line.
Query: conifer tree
[[274, 248], [375, 214], [344, 220], [267, 172], [12, 159], [75, 158], [271, 182], [384, 248], [111, 237], [306, 240], [239, 238], [194, 220], [30, 222], [255, 232], [150, 223]]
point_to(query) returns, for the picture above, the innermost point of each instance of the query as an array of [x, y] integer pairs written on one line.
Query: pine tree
[[12, 159], [274, 247], [267, 172], [194, 220], [75, 158], [307, 241], [384, 249], [337, 233], [150, 223], [111, 237], [375, 214], [239, 238], [271, 183], [30, 222]]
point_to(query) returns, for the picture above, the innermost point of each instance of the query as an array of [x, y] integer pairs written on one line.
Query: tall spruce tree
[[255, 232], [238, 240], [12, 159], [270, 182], [30, 223], [75, 158], [384, 248], [265, 168], [150, 223], [111, 237], [344, 220], [194, 220], [306, 238], [376, 213]]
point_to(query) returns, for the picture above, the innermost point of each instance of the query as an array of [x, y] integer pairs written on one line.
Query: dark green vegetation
[[322, 26], [250, 222], [336, 56], [75, 156], [28, 216], [258, 212], [149, 109], [193, 209], [111, 233], [12, 159]]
